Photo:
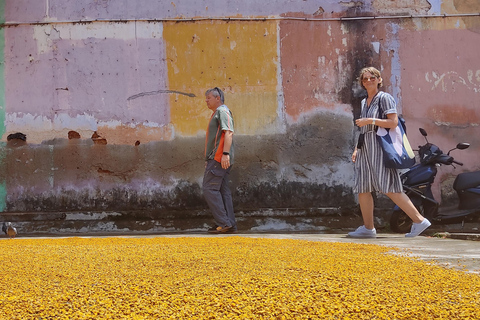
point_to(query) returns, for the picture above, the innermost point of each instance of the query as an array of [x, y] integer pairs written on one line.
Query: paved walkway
[[454, 253]]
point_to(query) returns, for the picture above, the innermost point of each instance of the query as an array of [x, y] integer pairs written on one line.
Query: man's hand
[[227, 143], [225, 161]]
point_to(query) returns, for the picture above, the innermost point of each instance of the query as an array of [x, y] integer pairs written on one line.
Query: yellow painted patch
[[240, 58]]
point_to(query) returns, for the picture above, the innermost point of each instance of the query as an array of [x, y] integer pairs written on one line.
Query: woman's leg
[[366, 206], [404, 203]]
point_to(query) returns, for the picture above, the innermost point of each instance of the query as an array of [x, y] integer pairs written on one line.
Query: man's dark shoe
[[212, 228], [219, 230]]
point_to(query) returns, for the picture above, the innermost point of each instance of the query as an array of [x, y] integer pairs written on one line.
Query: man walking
[[219, 155]]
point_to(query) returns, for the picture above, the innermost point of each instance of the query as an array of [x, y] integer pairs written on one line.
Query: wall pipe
[[456, 15]]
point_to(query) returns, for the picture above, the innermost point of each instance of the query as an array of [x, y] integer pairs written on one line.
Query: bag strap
[[401, 120], [380, 96]]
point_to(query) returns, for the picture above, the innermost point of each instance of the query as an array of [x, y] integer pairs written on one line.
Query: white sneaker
[[363, 232], [418, 228]]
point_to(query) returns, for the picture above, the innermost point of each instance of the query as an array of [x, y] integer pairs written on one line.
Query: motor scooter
[[417, 184]]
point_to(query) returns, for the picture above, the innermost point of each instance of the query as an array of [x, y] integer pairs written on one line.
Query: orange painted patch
[[460, 115], [315, 65]]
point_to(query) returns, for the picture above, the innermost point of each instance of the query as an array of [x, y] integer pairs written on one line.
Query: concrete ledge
[[191, 225], [261, 220], [465, 236], [458, 236], [169, 214]]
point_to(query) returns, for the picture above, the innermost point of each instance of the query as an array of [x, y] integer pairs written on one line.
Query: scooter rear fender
[[467, 180], [469, 198]]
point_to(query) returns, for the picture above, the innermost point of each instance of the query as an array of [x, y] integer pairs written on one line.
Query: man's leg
[[212, 183], [227, 199]]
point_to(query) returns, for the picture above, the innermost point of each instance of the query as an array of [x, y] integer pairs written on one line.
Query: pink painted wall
[[440, 92]]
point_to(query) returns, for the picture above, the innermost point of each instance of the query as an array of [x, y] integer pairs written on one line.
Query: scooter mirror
[[463, 145], [423, 132]]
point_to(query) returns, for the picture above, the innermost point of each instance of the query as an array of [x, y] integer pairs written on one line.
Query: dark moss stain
[[116, 173], [287, 194]]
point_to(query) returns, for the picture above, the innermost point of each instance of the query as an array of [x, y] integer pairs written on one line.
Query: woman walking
[[378, 109]]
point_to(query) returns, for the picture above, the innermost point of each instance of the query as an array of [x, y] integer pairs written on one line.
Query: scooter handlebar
[[457, 162]]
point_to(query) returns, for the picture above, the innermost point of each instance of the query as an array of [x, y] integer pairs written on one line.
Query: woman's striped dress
[[370, 172]]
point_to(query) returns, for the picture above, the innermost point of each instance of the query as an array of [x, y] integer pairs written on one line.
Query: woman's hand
[[390, 122], [354, 155], [363, 121]]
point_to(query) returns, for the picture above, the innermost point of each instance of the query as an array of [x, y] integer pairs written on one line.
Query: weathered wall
[[130, 82]]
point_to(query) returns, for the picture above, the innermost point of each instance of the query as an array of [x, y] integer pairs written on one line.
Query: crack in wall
[[151, 93]]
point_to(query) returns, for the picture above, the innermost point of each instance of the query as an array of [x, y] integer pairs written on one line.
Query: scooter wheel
[[400, 222]]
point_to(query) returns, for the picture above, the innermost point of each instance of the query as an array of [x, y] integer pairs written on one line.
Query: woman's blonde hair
[[373, 71]]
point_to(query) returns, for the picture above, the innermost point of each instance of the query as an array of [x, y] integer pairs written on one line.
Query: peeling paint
[[447, 81], [436, 7], [393, 48], [47, 35]]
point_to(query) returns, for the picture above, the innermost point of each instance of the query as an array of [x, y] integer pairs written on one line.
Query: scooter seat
[[467, 180]]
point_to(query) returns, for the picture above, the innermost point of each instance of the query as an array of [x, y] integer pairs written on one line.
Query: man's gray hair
[[216, 92]]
